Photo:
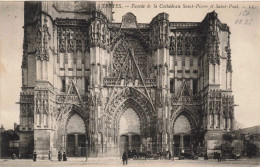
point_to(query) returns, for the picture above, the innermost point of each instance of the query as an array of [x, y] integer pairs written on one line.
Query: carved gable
[[129, 21], [120, 56]]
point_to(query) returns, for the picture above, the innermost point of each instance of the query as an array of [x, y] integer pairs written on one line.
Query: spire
[[212, 42]]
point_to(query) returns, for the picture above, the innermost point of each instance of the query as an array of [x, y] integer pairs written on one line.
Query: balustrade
[[149, 82]]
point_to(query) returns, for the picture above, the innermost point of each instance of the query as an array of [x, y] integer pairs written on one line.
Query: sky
[[244, 23]]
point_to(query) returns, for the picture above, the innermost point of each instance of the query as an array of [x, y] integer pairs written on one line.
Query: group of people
[[60, 156], [125, 156], [165, 155], [218, 156], [63, 157]]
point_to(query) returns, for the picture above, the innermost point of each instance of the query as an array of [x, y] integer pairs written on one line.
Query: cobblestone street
[[132, 163]]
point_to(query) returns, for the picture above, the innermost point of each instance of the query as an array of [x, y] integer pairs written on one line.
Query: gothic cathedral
[[93, 87]]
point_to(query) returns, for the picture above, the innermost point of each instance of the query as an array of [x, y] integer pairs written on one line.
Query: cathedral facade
[[92, 87]]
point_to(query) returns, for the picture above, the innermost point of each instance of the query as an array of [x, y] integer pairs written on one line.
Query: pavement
[[107, 162]]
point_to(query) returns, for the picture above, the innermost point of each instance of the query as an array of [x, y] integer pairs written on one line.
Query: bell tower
[[160, 53]]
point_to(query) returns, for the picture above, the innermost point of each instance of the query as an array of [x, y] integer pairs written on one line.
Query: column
[[141, 143], [204, 122], [231, 123], [172, 146], [86, 148], [191, 141], [63, 141], [181, 141], [166, 142], [211, 121], [224, 122], [208, 121], [129, 142], [228, 124], [76, 144], [215, 121], [218, 125], [146, 144]]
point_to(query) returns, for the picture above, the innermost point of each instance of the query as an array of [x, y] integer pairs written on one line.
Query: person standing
[[49, 155], [124, 158], [13, 156], [64, 156], [206, 156], [59, 156], [34, 156], [220, 157]]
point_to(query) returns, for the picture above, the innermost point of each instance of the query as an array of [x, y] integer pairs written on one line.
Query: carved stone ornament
[[129, 21], [72, 39]]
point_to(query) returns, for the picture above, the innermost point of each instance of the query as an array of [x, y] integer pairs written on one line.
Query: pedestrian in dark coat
[[206, 156], [64, 156], [34, 156], [220, 156], [59, 156], [125, 158], [49, 155], [13, 156]]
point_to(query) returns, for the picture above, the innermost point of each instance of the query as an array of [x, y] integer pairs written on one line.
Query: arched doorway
[[129, 99], [129, 131], [76, 136], [182, 135]]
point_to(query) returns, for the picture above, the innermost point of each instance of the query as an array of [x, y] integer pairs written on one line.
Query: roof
[[251, 130]]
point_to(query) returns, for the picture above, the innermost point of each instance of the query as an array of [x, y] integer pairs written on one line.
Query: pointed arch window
[[87, 84], [172, 84], [63, 85]]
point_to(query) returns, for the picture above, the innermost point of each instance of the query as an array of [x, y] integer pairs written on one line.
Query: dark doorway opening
[[76, 145], [130, 142]]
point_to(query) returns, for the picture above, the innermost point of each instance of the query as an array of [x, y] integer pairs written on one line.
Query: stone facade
[[77, 61]]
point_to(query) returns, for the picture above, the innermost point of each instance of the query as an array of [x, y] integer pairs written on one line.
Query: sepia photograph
[[139, 83]]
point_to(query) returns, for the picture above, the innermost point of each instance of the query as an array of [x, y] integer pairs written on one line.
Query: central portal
[[129, 131], [182, 135], [76, 137]]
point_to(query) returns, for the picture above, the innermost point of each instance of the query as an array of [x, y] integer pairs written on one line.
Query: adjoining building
[[92, 86], [9, 142], [246, 141]]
